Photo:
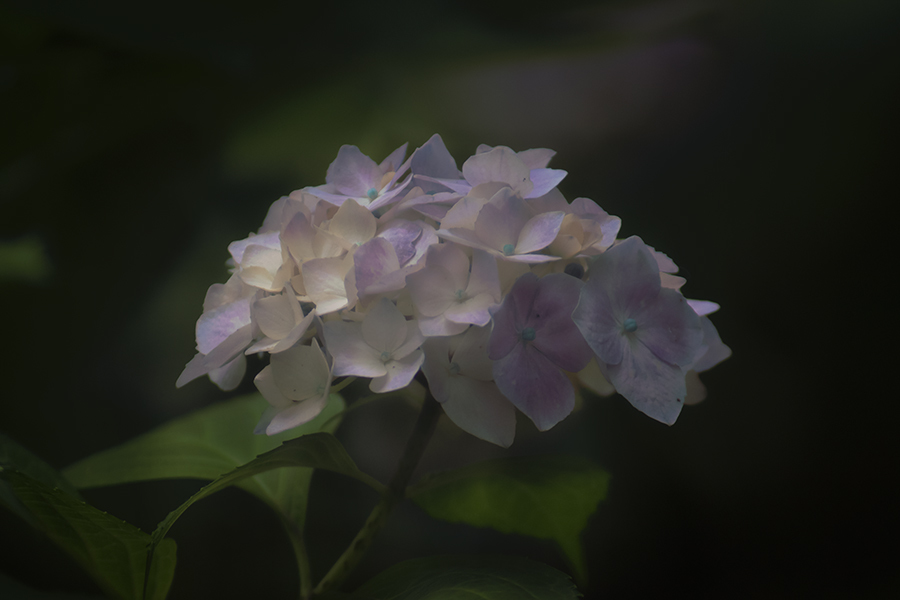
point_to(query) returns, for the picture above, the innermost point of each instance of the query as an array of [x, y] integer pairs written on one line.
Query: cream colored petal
[[354, 223]]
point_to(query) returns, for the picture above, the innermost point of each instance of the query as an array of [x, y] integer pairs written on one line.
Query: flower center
[[630, 325], [528, 334], [372, 193], [508, 249], [460, 295], [385, 356], [454, 368]]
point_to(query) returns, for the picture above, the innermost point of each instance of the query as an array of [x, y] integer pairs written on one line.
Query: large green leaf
[[469, 578], [316, 450], [113, 552], [206, 444], [16, 457], [549, 497]]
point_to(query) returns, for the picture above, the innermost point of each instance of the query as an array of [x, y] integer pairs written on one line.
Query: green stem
[[300, 553], [394, 493]]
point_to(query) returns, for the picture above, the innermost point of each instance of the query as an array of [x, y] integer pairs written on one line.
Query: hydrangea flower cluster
[[504, 294]]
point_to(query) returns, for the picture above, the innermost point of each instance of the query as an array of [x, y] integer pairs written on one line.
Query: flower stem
[[300, 553], [395, 492]]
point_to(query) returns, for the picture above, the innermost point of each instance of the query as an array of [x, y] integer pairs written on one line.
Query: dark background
[[749, 141]]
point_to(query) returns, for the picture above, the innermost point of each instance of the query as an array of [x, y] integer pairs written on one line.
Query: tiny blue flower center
[[528, 334], [508, 249], [630, 325], [460, 295], [372, 193], [454, 368], [385, 356]]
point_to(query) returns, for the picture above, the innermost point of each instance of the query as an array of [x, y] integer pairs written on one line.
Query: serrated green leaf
[[469, 578], [18, 458], [548, 497], [205, 445], [113, 552]]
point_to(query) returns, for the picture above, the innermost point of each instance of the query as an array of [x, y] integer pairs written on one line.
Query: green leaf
[[316, 450], [469, 578], [113, 552], [18, 458], [548, 497], [205, 445]]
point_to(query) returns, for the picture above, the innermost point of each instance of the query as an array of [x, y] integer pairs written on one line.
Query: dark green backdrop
[[751, 142]]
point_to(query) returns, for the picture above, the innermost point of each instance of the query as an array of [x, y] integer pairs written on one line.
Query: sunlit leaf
[[469, 578], [113, 552], [548, 497]]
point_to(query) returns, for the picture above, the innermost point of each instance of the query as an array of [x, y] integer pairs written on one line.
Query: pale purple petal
[[226, 351], [394, 160], [432, 290], [630, 274], [552, 200], [436, 365], [654, 387], [535, 385], [440, 326], [536, 158], [301, 373], [384, 327], [501, 165], [414, 339], [597, 321], [510, 319], [298, 236], [352, 355], [716, 351], [390, 196], [353, 173], [669, 327], [325, 283], [530, 259], [459, 186], [471, 354], [498, 229], [485, 278], [464, 214], [275, 315], [296, 414], [474, 310], [557, 336], [402, 235], [544, 180], [433, 159], [215, 326], [372, 261], [270, 240], [265, 383], [399, 373], [539, 232], [703, 307], [479, 408], [353, 223], [229, 376]]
